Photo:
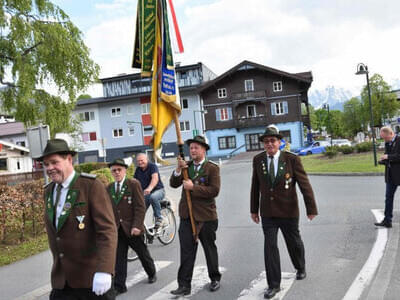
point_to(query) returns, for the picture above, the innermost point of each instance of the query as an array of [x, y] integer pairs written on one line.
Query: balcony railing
[[248, 95], [245, 122], [190, 81]]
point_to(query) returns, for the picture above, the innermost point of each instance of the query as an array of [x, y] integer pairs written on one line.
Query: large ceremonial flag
[[152, 35]]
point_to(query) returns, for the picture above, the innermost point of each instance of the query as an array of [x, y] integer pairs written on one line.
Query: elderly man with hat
[[273, 196], [204, 185], [80, 226], [129, 208]]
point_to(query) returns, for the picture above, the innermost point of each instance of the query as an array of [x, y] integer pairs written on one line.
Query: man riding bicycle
[[148, 175]]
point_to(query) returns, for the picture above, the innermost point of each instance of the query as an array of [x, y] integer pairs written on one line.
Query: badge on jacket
[[288, 180]]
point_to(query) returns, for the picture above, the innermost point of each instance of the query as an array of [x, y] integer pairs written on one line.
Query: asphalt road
[[338, 243]]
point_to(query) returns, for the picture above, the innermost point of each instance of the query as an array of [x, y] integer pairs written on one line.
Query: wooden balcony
[[260, 120], [245, 96]]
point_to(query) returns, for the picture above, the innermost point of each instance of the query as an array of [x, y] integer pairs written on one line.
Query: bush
[[331, 152], [131, 171], [90, 166], [364, 147], [346, 149], [104, 175]]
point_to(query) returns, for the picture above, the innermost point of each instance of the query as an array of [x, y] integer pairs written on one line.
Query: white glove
[[101, 283]]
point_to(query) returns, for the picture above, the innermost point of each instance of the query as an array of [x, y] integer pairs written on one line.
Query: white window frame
[[277, 86], [185, 127], [116, 113], [221, 93], [255, 110], [145, 108], [252, 85], [279, 109], [90, 114], [187, 103], [119, 136]]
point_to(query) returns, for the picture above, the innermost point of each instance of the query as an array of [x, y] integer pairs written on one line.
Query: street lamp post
[[326, 106], [141, 128], [361, 70]]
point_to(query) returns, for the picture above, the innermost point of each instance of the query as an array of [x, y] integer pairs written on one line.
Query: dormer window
[[277, 86], [221, 93]]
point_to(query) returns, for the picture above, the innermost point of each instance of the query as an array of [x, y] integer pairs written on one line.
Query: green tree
[[384, 103], [336, 128], [40, 48], [320, 120], [353, 118]]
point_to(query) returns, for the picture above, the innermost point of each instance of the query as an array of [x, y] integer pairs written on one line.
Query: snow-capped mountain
[[335, 97]]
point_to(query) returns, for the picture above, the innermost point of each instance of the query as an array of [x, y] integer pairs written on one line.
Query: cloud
[[327, 37]]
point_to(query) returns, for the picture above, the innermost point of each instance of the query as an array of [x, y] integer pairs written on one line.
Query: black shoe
[[301, 274], [271, 292], [181, 291], [214, 285], [119, 291], [384, 223], [153, 278]]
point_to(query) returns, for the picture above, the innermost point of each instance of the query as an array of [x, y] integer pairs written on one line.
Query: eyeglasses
[[270, 141], [116, 170]]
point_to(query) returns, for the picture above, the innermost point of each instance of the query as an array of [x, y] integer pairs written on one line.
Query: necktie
[[117, 192], [196, 168], [271, 170], [58, 196]]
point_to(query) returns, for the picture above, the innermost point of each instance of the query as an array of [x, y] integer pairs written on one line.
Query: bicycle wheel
[[132, 256], [166, 234]]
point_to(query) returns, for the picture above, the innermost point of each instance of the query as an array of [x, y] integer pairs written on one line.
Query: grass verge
[[349, 163], [10, 253]]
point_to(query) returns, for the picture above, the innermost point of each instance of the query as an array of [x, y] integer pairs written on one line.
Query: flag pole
[[185, 175]]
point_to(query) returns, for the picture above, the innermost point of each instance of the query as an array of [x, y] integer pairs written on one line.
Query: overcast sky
[[326, 37]]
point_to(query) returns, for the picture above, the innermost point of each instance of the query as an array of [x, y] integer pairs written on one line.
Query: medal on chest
[[288, 180], [80, 219]]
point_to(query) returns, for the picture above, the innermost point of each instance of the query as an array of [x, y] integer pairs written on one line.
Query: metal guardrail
[[238, 148]]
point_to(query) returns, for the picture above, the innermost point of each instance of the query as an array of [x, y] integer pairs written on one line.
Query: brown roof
[[304, 76], [11, 128]]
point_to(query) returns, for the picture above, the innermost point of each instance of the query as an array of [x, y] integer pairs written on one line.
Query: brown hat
[[118, 162], [199, 139], [56, 146], [270, 131]]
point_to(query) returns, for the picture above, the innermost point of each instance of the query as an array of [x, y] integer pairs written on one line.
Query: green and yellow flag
[[165, 102]]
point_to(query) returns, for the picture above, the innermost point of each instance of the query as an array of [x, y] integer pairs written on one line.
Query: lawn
[[349, 163], [12, 249]]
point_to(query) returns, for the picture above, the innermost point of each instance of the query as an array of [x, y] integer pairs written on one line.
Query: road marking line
[[199, 280], [257, 287], [382, 279], [364, 277], [131, 280], [141, 275]]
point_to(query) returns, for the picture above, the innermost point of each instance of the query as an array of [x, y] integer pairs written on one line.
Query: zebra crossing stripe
[[257, 287], [141, 275], [199, 281]]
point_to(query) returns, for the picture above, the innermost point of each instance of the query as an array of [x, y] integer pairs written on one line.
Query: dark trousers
[[121, 265], [390, 191], [290, 230], [68, 293], [207, 237]]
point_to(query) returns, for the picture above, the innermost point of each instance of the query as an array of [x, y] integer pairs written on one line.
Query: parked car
[[316, 148], [341, 142]]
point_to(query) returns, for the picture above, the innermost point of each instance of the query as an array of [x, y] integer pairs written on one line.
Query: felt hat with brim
[[199, 139], [56, 146], [270, 131], [118, 162]]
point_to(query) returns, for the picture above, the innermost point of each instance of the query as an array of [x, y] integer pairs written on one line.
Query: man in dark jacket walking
[[274, 197], [391, 160]]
